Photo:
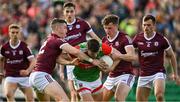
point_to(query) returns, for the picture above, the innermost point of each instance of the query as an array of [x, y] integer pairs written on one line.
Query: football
[[107, 59]]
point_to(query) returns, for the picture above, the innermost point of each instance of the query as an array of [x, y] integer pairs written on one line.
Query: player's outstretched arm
[[30, 68], [170, 54], [74, 51]]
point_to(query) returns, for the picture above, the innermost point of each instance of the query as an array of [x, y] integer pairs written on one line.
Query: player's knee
[[9, 95], [58, 99], [30, 98], [119, 98], [159, 95], [141, 97]]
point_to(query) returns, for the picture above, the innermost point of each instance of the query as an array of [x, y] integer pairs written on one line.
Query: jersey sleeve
[[134, 42], [166, 44], [1, 52], [87, 27], [60, 43], [127, 41], [28, 52]]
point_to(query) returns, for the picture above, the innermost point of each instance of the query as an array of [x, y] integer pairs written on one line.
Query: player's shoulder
[[5, 45], [124, 36], [23, 43], [160, 35], [78, 19], [81, 21], [139, 36]]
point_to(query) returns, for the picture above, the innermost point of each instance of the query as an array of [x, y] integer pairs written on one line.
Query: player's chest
[[117, 45], [14, 53], [149, 45], [76, 29]]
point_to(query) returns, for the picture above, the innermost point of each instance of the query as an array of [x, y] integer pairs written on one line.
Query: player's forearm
[[173, 63], [32, 65], [83, 56], [1, 66], [61, 68], [63, 61], [93, 35]]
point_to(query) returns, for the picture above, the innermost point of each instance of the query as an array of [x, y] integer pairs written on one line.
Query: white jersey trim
[[168, 44], [128, 46], [111, 40], [1, 56], [90, 30], [14, 47], [71, 22], [31, 56], [154, 33], [62, 45]]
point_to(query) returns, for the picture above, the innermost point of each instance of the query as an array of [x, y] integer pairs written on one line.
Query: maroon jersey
[[16, 58], [120, 41], [50, 50], [77, 31], [151, 53]]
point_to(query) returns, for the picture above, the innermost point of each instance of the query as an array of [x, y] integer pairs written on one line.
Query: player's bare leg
[[142, 90], [107, 94], [9, 90], [159, 88], [42, 97], [56, 91], [28, 92], [98, 96], [122, 92], [87, 97]]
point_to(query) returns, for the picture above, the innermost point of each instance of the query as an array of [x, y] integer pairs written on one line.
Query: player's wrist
[[90, 60], [1, 74]]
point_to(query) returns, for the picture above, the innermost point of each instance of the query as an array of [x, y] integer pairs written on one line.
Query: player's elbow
[[132, 57], [76, 53]]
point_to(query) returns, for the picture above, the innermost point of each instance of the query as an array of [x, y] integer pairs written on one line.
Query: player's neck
[[70, 21], [112, 36], [149, 35], [14, 42]]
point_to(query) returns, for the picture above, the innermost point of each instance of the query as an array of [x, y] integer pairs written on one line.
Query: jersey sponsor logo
[[21, 52], [14, 52], [14, 61], [116, 43], [140, 43], [70, 27], [75, 36], [7, 52], [80, 85], [156, 43], [147, 54], [78, 26]]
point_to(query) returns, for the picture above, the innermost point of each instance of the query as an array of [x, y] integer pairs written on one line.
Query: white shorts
[[39, 80], [148, 81], [112, 82], [69, 69], [84, 87], [22, 81]]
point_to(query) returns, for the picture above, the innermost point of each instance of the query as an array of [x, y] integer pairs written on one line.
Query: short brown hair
[[69, 4], [110, 19], [57, 20], [149, 17], [16, 26]]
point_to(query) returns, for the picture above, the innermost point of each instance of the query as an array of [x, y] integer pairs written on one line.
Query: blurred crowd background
[[34, 17]]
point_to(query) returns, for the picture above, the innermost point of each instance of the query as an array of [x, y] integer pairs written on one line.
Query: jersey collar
[[14, 47], [72, 22], [154, 33]]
